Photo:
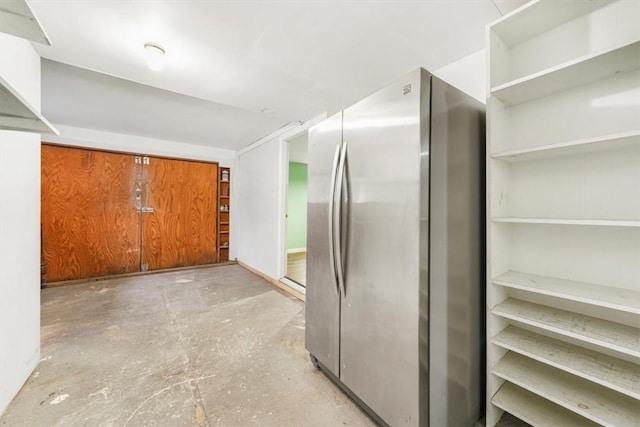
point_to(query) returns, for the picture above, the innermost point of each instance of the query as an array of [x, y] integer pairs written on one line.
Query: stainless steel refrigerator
[[394, 303]]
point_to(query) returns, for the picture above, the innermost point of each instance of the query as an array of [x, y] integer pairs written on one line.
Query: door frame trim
[[283, 179]]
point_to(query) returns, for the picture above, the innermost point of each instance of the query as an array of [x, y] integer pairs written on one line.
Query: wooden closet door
[[181, 230], [89, 220]]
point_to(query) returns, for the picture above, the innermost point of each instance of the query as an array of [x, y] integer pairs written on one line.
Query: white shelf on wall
[[570, 74], [561, 87], [539, 16], [17, 114], [559, 221], [610, 372], [603, 333], [583, 397], [621, 299], [580, 146], [17, 18], [535, 410]]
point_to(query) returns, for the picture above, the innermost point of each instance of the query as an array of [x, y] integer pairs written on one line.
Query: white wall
[[261, 200], [19, 227], [257, 207], [467, 74], [102, 140]]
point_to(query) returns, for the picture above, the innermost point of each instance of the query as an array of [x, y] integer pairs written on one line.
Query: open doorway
[[296, 223]]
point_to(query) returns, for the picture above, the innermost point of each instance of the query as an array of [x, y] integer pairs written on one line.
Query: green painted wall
[[297, 206]]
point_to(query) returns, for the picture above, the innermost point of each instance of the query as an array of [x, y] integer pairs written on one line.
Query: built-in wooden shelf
[[621, 299], [535, 410], [570, 74], [224, 200], [17, 18], [583, 397], [540, 16], [17, 114], [610, 372], [603, 333], [579, 146], [562, 221]]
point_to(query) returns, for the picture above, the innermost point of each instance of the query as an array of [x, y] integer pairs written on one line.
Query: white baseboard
[[293, 285]]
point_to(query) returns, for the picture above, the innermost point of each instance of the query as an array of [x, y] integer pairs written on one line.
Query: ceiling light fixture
[[155, 56]]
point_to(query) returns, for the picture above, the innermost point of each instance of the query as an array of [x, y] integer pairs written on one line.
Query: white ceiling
[[74, 96], [286, 60]]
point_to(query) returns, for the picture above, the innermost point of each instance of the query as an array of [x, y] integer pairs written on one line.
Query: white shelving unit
[[610, 372], [17, 18], [620, 338], [535, 410], [561, 221], [588, 293], [16, 113], [583, 397], [587, 69], [563, 209], [581, 146]]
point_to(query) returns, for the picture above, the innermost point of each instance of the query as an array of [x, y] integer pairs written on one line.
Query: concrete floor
[[201, 347]]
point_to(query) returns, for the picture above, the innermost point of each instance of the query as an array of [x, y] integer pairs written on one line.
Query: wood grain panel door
[[89, 221], [181, 230]]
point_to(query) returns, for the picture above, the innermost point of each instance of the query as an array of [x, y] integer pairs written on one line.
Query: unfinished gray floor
[[201, 347]]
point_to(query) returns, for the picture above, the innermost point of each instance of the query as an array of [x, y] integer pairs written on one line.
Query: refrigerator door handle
[[338, 218], [332, 216]]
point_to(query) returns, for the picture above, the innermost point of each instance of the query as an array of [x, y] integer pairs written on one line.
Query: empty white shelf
[[583, 397], [588, 293], [570, 74], [539, 16], [17, 18], [610, 372], [579, 146], [562, 221], [535, 410], [610, 335], [17, 114]]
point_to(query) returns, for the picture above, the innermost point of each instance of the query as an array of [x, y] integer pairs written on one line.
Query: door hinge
[[138, 160], [145, 160], [144, 267]]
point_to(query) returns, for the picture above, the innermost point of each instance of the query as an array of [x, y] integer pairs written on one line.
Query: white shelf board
[[562, 221], [602, 296], [610, 372], [535, 410], [17, 18], [577, 72], [583, 397], [580, 146], [17, 114], [539, 16], [603, 333]]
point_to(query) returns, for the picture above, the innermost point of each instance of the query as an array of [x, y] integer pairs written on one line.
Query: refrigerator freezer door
[[322, 295], [380, 312]]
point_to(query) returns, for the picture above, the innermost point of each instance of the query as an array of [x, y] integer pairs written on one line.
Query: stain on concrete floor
[[202, 347]]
